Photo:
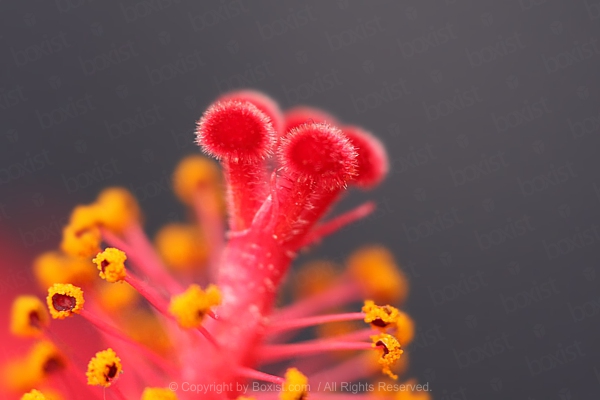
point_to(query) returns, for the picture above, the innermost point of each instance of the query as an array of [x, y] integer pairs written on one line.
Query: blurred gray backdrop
[[490, 112]]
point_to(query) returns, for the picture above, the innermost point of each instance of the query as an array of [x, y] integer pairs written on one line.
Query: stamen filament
[[112, 331], [147, 259], [147, 293], [292, 324], [259, 376], [338, 295], [279, 352]]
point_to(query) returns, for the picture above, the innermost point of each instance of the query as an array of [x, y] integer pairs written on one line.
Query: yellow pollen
[[182, 246], [118, 209], [104, 368], [64, 300], [44, 359], [29, 317], [54, 267], [245, 398], [295, 386], [80, 243], [33, 395], [380, 317], [158, 394], [81, 237], [111, 264], [391, 352], [375, 270], [193, 173], [191, 306]]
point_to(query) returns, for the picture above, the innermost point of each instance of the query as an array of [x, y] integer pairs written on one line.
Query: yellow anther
[[375, 270], [315, 277], [118, 209], [193, 173], [158, 394], [391, 352], [111, 264], [191, 306], [245, 398], [64, 300], [29, 316], [104, 368], [116, 297], [80, 242], [405, 328], [34, 395], [81, 237], [44, 358], [380, 317], [295, 386], [54, 267], [85, 216], [182, 246]]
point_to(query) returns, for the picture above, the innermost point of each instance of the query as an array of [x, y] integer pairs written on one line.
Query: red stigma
[[372, 159], [318, 152], [301, 115], [236, 130], [263, 102]]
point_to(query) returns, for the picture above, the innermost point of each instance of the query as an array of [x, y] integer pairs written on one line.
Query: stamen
[[33, 395], [269, 353], [380, 317], [29, 317], [183, 247], [380, 278], [148, 260], [111, 263], [112, 331], [295, 386], [197, 183], [250, 373], [338, 295], [158, 394], [118, 209], [81, 237], [391, 352], [190, 307], [292, 324], [104, 368], [64, 300], [55, 267]]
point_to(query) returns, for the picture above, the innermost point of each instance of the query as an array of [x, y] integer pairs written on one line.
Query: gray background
[[489, 111]]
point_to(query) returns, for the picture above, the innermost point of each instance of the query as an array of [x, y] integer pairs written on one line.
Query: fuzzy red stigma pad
[[236, 130], [320, 153], [263, 102], [301, 115], [372, 159]]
